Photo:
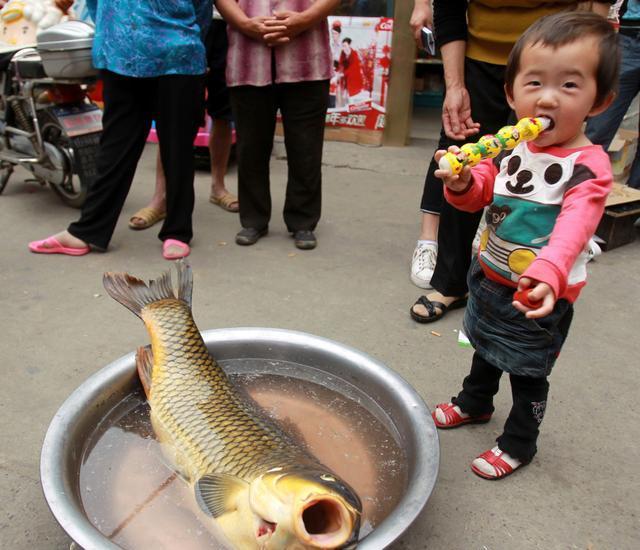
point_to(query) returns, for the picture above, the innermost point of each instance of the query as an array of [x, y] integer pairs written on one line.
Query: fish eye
[[327, 477]]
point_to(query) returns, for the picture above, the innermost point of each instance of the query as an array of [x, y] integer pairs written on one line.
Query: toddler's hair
[[563, 28]]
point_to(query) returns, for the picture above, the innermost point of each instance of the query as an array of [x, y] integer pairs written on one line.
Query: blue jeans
[[504, 337], [602, 128]]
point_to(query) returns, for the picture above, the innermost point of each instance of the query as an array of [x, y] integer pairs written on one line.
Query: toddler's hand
[[457, 182], [538, 292]]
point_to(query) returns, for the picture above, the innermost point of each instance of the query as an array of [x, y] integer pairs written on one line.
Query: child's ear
[[507, 93], [602, 106]]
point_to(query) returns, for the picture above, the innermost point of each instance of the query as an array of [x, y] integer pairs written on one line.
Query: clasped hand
[[278, 29]]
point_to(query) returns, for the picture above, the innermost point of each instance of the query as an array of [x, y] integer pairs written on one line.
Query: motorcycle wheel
[[72, 191], [6, 169]]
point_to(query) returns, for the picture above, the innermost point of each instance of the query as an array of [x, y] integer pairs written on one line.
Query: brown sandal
[[228, 202], [149, 216]]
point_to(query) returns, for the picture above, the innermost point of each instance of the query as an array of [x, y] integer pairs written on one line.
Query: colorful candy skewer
[[490, 146]]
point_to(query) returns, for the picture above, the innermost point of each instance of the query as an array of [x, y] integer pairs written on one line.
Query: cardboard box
[[622, 209], [622, 151]]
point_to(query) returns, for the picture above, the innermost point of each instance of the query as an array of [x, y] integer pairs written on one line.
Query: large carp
[[264, 489]]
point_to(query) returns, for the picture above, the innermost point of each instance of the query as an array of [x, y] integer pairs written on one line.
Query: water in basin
[[135, 499]]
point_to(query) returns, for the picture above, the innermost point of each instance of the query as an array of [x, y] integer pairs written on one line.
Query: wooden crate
[[617, 227]]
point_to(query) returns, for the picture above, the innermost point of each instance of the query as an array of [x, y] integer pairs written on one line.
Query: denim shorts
[[504, 337]]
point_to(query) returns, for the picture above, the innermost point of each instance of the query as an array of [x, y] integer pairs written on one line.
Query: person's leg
[[634, 174], [155, 210], [254, 112], [601, 129], [474, 403], [478, 388], [522, 427], [179, 113], [303, 106], [219, 150], [219, 109], [159, 198], [423, 260], [126, 121], [485, 84]]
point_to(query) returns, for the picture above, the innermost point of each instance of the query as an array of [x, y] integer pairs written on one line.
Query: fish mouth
[[324, 523]]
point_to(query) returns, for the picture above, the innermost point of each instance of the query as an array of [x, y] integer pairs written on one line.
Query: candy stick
[[490, 146]]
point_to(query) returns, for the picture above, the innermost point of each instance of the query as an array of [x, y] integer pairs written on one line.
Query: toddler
[[546, 198]]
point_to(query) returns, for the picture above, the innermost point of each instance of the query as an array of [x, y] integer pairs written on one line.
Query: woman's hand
[[422, 16], [540, 292], [456, 114], [285, 26], [259, 27], [458, 183]]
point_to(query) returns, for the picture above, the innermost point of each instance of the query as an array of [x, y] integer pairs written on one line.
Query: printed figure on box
[[21, 20], [361, 50]]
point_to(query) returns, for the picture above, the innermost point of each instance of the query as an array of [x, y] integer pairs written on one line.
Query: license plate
[[78, 124]]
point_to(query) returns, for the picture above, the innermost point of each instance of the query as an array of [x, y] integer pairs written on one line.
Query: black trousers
[[485, 84], [130, 104], [529, 403], [303, 106]]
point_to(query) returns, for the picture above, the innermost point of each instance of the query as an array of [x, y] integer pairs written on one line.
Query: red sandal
[[453, 419], [501, 468]]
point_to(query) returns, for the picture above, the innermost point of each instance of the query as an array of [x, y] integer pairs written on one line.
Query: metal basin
[[390, 395]]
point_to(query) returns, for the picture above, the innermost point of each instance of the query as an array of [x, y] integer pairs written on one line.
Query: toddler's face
[[559, 83]]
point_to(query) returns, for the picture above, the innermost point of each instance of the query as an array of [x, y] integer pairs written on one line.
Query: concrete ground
[[58, 327]]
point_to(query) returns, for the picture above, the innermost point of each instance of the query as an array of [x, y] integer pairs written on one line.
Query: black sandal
[[431, 306]]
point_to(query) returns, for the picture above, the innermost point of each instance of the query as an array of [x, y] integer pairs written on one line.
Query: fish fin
[[185, 282], [215, 492], [144, 364], [135, 294]]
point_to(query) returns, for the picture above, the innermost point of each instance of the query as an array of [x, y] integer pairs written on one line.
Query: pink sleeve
[[582, 208], [479, 193]]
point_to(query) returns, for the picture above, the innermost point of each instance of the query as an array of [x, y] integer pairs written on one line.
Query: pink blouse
[[307, 57]]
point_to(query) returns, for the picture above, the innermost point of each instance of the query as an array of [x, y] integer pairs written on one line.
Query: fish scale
[[225, 436]]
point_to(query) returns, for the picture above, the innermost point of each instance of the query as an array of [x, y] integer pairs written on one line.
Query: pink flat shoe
[[185, 250], [51, 245]]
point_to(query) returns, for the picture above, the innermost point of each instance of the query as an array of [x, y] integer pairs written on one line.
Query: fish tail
[[135, 294]]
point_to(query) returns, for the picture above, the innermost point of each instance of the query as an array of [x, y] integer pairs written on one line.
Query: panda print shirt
[[544, 206]]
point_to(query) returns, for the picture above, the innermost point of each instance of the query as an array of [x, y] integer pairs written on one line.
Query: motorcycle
[[48, 124]]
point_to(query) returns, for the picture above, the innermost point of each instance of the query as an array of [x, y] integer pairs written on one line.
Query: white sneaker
[[423, 263], [593, 250]]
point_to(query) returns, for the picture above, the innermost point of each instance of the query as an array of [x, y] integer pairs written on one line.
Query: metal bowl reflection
[[77, 418]]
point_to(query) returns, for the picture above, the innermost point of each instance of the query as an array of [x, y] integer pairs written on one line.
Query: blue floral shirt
[[147, 38]]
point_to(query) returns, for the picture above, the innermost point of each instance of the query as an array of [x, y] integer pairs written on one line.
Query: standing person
[[279, 60], [336, 49], [220, 137], [350, 67], [550, 194], [602, 129], [475, 38], [152, 61]]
